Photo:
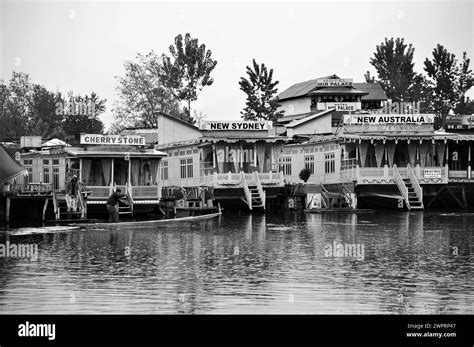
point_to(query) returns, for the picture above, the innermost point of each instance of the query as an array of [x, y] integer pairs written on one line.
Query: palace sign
[[339, 106], [334, 82], [127, 140], [356, 119], [225, 125]]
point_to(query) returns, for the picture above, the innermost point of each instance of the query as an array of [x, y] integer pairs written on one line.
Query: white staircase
[[254, 193], [410, 189]]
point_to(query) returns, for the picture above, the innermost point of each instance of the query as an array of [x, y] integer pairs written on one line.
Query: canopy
[[9, 167], [54, 143]]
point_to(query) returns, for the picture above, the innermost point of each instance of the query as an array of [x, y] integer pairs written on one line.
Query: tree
[[393, 61], [443, 77], [260, 89], [465, 82], [81, 115], [142, 94], [304, 174], [188, 70], [368, 78]]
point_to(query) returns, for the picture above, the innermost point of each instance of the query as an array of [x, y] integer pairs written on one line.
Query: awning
[[9, 167]]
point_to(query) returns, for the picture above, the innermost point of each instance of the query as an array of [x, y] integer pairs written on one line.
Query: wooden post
[[80, 169], [112, 173], [469, 161], [255, 155], [45, 207], [7, 212], [129, 171], [241, 157]]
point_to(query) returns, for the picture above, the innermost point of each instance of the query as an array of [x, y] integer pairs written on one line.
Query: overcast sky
[[81, 46]]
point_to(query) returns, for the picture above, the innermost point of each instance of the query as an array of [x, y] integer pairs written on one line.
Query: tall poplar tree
[[261, 103]]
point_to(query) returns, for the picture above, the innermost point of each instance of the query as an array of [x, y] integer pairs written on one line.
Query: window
[[329, 163], [186, 167], [285, 166], [46, 175], [55, 178], [45, 161], [28, 162], [309, 163], [164, 170], [30, 175], [55, 161]]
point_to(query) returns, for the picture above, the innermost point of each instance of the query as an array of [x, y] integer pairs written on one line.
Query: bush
[[178, 194], [304, 175]]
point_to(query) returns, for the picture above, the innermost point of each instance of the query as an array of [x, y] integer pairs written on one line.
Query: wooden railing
[[416, 184], [401, 184], [248, 195], [261, 192]]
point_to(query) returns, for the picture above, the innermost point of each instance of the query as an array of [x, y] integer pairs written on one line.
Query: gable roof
[[307, 119], [150, 135], [374, 89]]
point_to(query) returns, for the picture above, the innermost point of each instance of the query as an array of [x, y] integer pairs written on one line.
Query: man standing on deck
[[112, 206], [72, 188]]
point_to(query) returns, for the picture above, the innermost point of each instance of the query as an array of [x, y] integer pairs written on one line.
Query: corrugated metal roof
[[150, 135], [303, 88], [81, 152], [307, 119], [338, 91], [374, 89]]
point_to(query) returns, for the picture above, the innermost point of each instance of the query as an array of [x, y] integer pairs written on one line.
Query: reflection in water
[[413, 263]]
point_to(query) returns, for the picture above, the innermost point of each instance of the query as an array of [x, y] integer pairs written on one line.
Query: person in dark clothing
[[112, 206], [72, 188]]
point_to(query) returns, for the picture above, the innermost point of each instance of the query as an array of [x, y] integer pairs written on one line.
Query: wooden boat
[[339, 210], [150, 222]]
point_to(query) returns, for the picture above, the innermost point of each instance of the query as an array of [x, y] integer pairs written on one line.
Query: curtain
[[391, 146], [86, 170], [135, 171], [261, 155], [154, 166], [440, 149], [220, 156], [363, 147], [106, 170], [425, 150], [277, 148], [379, 151], [412, 152], [236, 155]]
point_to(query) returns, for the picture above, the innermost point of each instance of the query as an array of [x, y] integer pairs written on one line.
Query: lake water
[[407, 263]]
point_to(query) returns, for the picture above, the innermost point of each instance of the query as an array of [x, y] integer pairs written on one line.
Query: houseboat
[[103, 164], [370, 153], [238, 161]]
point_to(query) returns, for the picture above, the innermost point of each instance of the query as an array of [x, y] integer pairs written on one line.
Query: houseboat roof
[[9, 167], [337, 91], [371, 91], [150, 135], [108, 152], [309, 118], [234, 136]]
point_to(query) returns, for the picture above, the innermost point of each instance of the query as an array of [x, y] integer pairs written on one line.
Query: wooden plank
[[7, 212], [45, 207], [436, 195]]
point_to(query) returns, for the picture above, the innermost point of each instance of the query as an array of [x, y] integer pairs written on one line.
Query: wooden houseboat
[[102, 163], [237, 160]]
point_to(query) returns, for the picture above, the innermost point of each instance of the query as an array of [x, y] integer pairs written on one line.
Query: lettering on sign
[[127, 140], [343, 106], [334, 82], [432, 173], [217, 125], [388, 119]]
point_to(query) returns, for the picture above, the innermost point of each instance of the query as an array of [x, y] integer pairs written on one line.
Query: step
[[125, 213]]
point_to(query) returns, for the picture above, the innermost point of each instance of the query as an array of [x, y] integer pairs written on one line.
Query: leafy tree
[[260, 89], [304, 174], [44, 120], [81, 115], [393, 61], [443, 77], [369, 78], [188, 70], [142, 94]]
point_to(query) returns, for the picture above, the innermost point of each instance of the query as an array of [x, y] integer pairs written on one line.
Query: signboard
[[239, 125], [459, 121], [388, 119], [334, 82], [30, 141], [339, 106], [432, 173], [123, 140]]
